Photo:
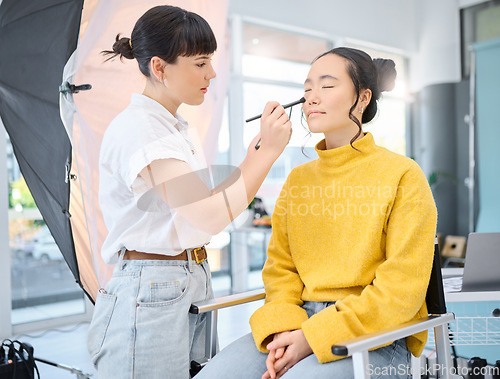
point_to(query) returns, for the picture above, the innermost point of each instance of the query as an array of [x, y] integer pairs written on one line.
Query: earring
[[361, 111]]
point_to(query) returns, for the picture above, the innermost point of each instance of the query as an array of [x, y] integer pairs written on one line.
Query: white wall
[[427, 31], [437, 59], [387, 22]]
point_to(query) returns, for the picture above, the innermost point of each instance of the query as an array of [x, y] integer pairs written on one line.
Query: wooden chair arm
[[227, 301]]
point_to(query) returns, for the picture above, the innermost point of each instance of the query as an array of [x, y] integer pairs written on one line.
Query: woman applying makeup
[[158, 209]]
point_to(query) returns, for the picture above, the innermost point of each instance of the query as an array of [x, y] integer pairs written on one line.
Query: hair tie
[[130, 42]]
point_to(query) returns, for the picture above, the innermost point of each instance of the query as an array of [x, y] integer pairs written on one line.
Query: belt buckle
[[195, 251]]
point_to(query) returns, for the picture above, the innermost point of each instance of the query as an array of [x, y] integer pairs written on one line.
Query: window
[[478, 23], [389, 125], [264, 42], [42, 285]]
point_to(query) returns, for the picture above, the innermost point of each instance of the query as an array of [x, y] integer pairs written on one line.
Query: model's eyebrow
[[203, 57], [322, 77]]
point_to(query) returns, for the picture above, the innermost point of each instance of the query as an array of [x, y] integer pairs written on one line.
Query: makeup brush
[[300, 101]]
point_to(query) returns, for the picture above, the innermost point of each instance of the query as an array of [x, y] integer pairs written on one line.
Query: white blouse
[[135, 216]]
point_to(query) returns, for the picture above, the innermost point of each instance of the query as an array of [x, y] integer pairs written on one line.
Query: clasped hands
[[286, 349]]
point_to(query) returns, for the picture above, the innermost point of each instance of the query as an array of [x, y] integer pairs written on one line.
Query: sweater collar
[[345, 155]]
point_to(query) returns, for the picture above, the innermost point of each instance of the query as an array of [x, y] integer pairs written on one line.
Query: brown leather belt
[[198, 254]]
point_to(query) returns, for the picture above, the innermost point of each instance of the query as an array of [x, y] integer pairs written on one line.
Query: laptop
[[482, 265]]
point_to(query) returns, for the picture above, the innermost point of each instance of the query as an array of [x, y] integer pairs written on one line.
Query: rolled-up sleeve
[[282, 310]]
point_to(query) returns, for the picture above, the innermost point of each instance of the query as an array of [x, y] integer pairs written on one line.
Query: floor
[[67, 345]]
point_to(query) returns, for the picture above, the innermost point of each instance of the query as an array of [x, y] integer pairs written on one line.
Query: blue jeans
[[392, 361], [142, 328]]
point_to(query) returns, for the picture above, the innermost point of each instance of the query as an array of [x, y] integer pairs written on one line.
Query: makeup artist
[[158, 210]]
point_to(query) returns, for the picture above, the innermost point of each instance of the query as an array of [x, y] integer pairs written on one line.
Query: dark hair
[[167, 32], [378, 75]]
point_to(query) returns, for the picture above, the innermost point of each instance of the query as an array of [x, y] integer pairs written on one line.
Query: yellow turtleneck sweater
[[356, 227]]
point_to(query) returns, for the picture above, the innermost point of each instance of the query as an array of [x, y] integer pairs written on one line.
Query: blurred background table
[[248, 254]]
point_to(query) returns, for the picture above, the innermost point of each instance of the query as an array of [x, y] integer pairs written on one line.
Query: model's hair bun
[[122, 47], [386, 70]]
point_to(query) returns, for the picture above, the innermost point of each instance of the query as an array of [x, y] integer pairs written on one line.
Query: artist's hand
[[275, 128], [285, 351]]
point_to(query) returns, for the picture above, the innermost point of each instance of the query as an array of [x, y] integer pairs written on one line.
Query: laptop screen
[[482, 263]]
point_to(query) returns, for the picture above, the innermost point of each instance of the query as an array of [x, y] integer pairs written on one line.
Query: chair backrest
[[434, 299]]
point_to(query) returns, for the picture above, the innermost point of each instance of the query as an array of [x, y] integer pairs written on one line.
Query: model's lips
[[314, 113], [204, 89]]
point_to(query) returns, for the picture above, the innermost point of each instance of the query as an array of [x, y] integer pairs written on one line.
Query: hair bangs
[[197, 38]]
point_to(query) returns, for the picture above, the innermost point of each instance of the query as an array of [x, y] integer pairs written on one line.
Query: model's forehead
[[327, 67]]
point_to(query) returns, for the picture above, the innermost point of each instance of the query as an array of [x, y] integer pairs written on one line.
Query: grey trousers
[[242, 359]]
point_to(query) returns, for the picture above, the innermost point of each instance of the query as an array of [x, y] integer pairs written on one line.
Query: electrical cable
[[72, 329]]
